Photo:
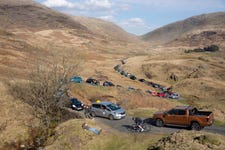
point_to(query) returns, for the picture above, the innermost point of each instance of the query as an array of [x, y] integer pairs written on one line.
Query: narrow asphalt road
[[123, 125]]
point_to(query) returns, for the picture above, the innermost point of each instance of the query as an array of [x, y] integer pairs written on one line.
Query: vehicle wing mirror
[[107, 109], [165, 114]]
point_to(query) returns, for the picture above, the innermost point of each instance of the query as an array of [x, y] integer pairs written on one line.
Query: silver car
[[174, 96], [108, 110]]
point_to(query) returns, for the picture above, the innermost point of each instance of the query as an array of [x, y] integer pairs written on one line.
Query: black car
[[108, 83], [92, 81], [132, 77], [141, 80], [122, 72], [76, 104], [155, 85]]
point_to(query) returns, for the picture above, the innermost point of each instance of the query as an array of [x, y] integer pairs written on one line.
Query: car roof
[[184, 107], [103, 103], [76, 77], [74, 99]]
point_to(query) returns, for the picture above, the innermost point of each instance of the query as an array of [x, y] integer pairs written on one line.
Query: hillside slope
[[27, 14], [106, 29], [185, 29]]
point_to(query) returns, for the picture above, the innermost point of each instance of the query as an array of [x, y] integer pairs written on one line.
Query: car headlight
[[73, 105], [117, 115]]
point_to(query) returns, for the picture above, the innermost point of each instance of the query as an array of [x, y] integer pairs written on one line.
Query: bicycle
[[135, 128]]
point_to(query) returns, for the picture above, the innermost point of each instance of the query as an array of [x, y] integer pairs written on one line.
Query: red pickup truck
[[184, 116]]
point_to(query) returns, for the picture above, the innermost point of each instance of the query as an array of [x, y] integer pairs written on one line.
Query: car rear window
[[181, 112], [173, 112], [96, 105]]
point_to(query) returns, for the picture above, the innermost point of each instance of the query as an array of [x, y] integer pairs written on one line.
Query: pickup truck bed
[[202, 113]]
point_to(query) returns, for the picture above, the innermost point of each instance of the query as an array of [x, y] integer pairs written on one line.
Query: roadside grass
[[211, 139], [219, 123], [142, 112], [128, 142]]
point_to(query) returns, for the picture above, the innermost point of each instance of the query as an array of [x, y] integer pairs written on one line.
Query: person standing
[[87, 112]]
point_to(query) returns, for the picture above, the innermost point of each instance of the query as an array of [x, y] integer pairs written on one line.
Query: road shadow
[[127, 126], [151, 122]]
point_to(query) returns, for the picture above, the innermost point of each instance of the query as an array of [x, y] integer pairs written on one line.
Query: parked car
[[149, 91], [108, 83], [148, 83], [154, 93], [76, 104], [130, 88], [92, 81], [122, 72], [163, 88], [141, 80], [108, 110], [76, 79], [155, 85], [184, 116], [161, 94], [174, 96], [132, 77]]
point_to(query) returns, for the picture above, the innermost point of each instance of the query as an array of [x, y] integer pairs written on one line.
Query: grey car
[[174, 96], [107, 110]]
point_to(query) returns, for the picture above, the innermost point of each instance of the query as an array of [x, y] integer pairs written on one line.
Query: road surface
[[123, 125]]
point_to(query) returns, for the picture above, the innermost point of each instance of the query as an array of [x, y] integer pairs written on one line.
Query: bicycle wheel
[[146, 127], [132, 128]]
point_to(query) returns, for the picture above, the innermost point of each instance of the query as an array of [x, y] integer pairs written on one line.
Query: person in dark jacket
[[139, 122], [87, 112]]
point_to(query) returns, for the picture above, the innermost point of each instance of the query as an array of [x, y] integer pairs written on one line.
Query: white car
[[174, 96]]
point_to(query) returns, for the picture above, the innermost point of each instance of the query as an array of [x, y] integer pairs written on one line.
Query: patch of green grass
[[219, 123], [211, 140], [128, 142], [141, 112]]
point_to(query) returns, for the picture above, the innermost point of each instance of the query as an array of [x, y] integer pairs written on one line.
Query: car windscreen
[[75, 101], [113, 107]]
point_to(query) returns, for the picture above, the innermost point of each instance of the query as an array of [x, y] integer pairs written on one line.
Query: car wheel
[[196, 126], [111, 117], [93, 114], [159, 123]]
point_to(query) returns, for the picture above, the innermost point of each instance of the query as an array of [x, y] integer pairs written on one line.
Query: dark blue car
[[76, 79], [108, 83], [76, 104]]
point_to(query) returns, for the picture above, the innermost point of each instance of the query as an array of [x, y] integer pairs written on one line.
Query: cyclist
[[138, 122], [87, 111]]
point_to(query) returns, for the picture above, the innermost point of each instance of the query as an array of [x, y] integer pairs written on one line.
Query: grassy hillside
[[192, 25], [33, 16], [107, 30]]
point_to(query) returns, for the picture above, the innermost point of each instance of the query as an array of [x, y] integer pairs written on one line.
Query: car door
[[97, 109], [104, 112], [170, 116], [181, 117]]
